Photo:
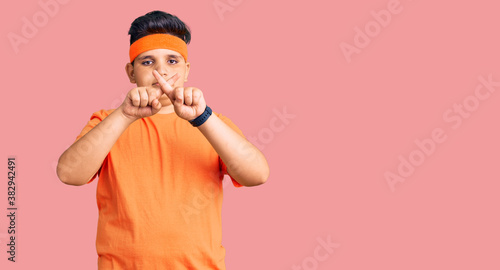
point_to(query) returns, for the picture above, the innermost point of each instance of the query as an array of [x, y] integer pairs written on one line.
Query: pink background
[[353, 120]]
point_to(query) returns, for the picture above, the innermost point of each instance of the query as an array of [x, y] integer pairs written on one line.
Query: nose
[[162, 69]]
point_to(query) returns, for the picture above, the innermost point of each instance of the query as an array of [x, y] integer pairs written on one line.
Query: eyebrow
[[151, 57]]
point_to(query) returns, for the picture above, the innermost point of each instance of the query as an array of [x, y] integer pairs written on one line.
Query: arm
[[245, 163], [79, 163]]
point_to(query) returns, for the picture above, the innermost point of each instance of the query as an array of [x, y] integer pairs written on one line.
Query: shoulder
[[95, 118], [101, 114]]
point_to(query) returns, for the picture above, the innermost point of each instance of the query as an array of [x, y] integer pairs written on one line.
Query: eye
[[172, 61], [147, 62]]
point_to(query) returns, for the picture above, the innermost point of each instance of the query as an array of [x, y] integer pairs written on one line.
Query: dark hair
[[158, 22]]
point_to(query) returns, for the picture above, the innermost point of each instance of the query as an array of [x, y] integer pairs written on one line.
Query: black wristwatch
[[198, 121]]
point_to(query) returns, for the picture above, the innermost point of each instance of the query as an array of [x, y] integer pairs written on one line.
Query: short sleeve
[[95, 119], [221, 163]]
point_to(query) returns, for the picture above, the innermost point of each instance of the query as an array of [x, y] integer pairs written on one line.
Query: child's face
[[165, 61]]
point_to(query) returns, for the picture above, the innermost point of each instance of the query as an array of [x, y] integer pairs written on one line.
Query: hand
[[189, 102], [144, 101]]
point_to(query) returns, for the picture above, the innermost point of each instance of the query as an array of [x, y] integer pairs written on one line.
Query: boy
[[161, 157]]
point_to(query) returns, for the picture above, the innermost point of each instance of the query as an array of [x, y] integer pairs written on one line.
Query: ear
[[188, 66], [129, 69]]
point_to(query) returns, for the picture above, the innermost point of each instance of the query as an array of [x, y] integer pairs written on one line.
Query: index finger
[[166, 85]]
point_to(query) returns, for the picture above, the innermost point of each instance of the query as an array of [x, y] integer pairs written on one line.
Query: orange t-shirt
[[159, 197]]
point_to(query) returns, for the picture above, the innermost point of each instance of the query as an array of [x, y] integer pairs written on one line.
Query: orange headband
[[158, 41]]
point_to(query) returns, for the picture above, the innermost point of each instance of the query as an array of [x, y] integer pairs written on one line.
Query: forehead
[[159, 53]]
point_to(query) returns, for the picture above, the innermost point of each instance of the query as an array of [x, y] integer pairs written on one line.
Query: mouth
[[156, 84]]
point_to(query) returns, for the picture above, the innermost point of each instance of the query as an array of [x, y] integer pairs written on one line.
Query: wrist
[[202, 118], [126, 118]]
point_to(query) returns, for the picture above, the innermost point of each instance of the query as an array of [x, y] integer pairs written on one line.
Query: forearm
[[83, 158], [245, 163]]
